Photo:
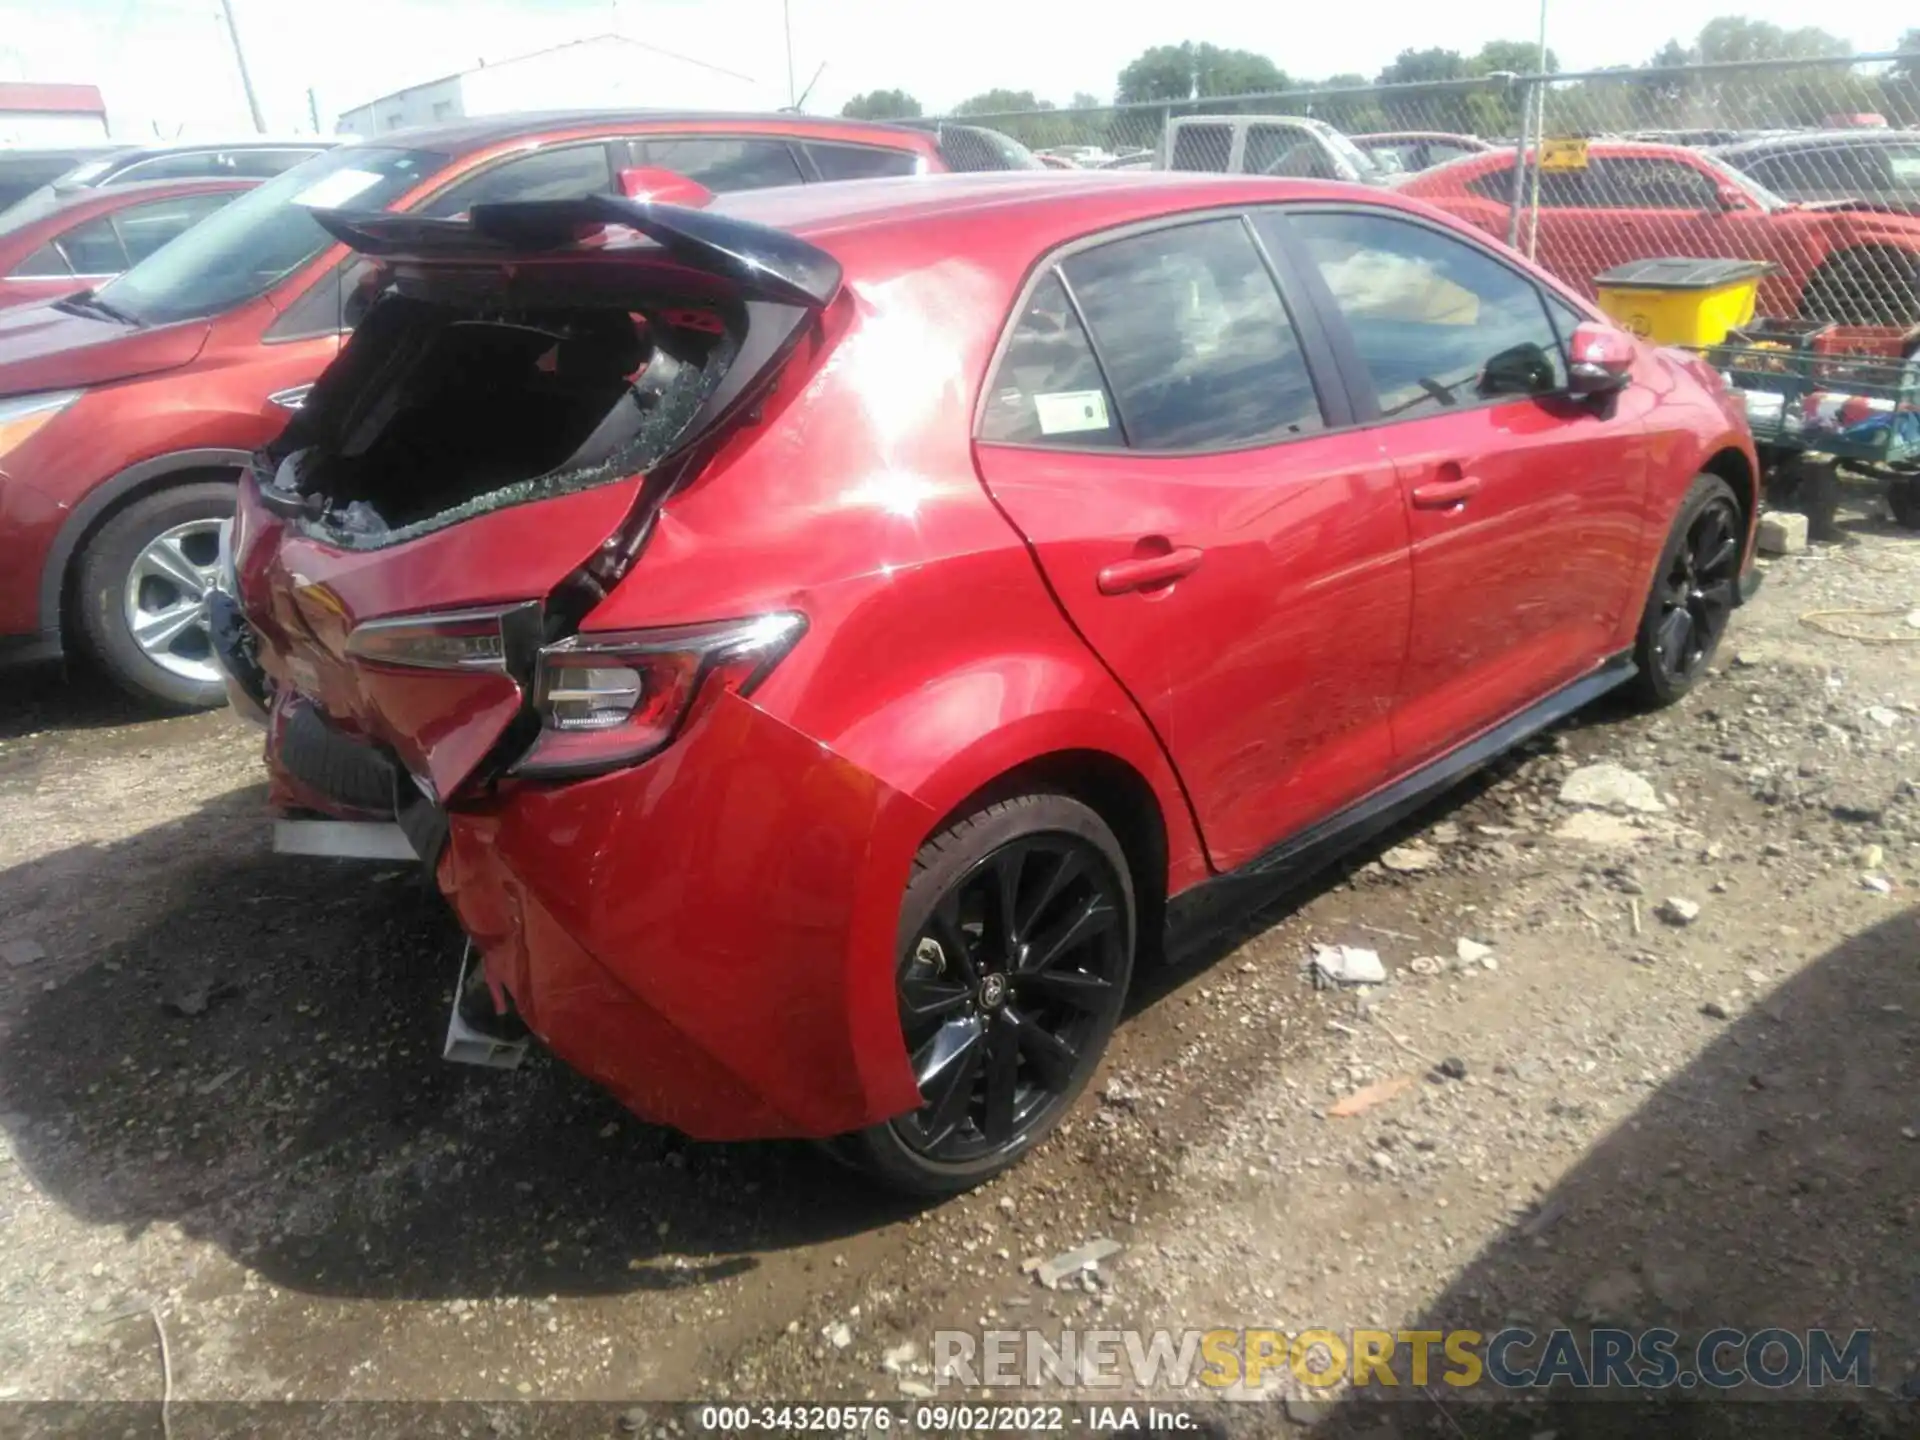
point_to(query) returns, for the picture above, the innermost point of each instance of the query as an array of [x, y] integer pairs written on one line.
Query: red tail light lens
[[612, 699], [493, 639]]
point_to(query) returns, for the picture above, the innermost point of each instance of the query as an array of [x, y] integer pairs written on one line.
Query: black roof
[[460, 137], [1818, 140]]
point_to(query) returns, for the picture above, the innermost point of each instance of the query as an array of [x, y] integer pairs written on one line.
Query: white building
[[51, 114], [602, 72]]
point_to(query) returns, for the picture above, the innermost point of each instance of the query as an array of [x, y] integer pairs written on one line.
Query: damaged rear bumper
[[356, 784], [717, 951]]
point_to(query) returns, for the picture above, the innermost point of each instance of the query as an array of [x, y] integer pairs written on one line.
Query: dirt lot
[[222, 1100]]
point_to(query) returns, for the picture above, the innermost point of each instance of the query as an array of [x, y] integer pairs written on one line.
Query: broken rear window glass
[[438, 412]]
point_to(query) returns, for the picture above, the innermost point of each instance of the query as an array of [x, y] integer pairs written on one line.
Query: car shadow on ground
[[259, 1062], [1773, 1182], [64, 697]]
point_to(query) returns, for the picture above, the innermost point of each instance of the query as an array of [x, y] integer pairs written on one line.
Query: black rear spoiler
[[767, 264]]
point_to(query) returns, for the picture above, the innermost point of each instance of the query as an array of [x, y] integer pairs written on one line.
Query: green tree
[[1735, 38], [882, 105], [1192, 71], [1518, 57], [1083, 101], [1672, 55], [1424, 67], [1908, 70], [1000, 102], [1163, 73]]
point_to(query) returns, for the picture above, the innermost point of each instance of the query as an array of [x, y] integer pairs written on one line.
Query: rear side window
[[564, 173], [860, 162], [723, 163], [42, 263], [1195, 340], [1267, 145], [1645, 182], [1438, 323], [145, 228], [1496, 184], [1048, 389], [266, 162], [1201, 147], [94, 248]]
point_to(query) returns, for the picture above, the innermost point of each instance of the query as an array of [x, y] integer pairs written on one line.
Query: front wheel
[[1016, 946], [1694, 592], [142, 593]]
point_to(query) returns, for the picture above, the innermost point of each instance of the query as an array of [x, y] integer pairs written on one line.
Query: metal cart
[[1815, 409]]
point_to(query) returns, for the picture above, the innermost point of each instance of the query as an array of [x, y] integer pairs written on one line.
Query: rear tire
[[1903, 499], [139, 593], [1016, 943], [1695, 588]]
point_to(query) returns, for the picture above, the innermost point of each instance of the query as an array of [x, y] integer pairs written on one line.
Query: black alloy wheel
[[1694, 594], [1015, 955]]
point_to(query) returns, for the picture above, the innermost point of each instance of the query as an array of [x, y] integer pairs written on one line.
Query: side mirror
[[1601, 360], [1524, 369], [1732, 197], [666, 186]]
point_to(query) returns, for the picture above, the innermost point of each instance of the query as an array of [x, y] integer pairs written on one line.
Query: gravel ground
[[1672, 1081]]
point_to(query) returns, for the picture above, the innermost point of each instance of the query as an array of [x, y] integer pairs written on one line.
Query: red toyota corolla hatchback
[[819, 641]]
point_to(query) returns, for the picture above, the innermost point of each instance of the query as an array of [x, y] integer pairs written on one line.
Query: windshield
[[1753, 189], [245, 248], [1366, 166]]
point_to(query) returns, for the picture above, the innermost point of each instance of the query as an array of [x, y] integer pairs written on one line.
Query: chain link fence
[[1811, 166]]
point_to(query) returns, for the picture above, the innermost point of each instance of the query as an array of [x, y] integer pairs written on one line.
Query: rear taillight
[[614, 698], [500, 639]]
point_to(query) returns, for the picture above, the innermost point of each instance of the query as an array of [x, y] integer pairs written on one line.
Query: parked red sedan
[[86, 237], [1855, 264], [127, 411], [819, 641]]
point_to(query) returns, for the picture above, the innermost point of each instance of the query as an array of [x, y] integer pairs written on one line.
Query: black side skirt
[[1195, 914]]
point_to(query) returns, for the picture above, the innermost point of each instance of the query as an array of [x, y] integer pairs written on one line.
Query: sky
[[166, 66]]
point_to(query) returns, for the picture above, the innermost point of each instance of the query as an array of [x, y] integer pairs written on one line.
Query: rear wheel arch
[[1115, 791], [1731, 465]]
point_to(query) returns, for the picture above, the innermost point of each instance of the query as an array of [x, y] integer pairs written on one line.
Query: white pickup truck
[[1294, 145]]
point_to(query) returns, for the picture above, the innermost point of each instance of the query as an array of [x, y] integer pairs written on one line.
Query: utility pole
[[786, 15], [246, 80], [313, 109]]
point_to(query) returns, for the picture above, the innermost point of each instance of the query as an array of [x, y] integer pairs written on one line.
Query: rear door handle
[[1445, 494], [1147, 571]]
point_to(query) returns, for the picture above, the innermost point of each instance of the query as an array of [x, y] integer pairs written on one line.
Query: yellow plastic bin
[[1681, 302]]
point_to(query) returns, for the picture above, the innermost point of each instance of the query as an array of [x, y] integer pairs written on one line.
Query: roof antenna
[[801, 104]]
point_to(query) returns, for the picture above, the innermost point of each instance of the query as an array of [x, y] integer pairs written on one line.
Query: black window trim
[[59, 243], [1335, 407], [810, 171], [1359, 382], [796, 153], [615, 145]]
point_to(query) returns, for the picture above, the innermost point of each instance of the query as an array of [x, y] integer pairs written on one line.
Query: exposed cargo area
[[440, 410]]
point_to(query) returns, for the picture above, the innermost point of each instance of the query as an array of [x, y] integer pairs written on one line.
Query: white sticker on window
[[337, 188], [1067, 411]]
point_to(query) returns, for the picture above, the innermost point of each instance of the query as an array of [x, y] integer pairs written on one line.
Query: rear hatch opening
[[451, 410]]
